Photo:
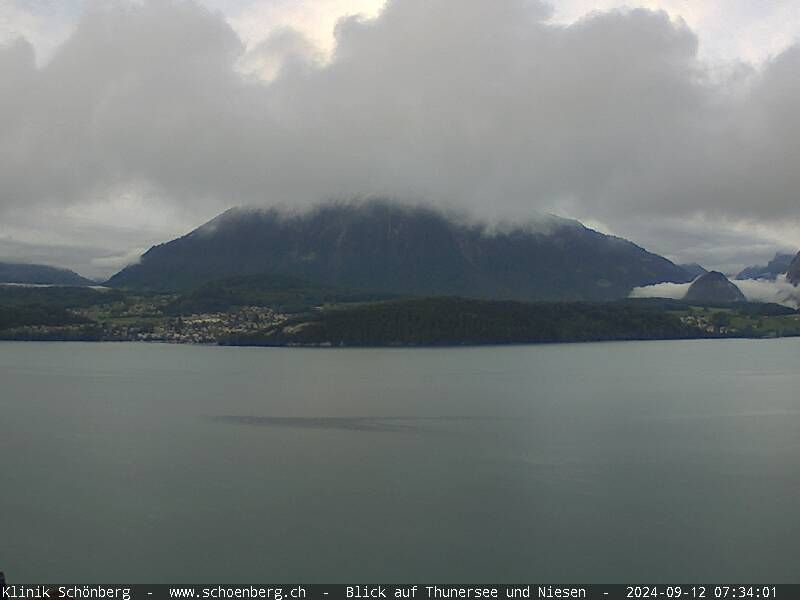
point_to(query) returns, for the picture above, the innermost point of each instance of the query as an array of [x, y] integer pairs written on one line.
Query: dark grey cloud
[[485, 106]]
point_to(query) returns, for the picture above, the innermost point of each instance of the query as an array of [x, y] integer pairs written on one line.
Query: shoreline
[[444, 345]]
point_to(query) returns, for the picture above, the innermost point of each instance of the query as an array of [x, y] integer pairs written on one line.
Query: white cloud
[[256, 21], [779, 291], [729, 30], [755, 290], [675, 291], [112, 264], [41, 25]]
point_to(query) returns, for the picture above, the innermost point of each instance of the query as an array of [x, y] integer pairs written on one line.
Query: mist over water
[[652, 461]]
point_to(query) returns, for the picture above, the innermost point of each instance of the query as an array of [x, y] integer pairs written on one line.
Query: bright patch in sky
[[748, 30]]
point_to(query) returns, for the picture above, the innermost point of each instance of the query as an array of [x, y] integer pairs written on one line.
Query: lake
[[666, 462]]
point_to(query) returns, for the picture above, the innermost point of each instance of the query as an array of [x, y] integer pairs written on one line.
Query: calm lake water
[[664, 462]]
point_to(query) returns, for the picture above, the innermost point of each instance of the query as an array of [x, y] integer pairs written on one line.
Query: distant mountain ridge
[[777, 266], [40, 275], [694, 270], [384, 246]]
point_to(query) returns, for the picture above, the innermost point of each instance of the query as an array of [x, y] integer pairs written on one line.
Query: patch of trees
[[22, 316], [458, 321]]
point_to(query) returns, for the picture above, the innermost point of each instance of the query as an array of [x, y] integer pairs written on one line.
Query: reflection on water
[[346, 423]]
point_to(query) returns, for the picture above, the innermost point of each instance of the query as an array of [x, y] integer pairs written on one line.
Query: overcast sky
[[674, 123]]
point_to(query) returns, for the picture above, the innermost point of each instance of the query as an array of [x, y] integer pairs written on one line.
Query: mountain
[[713, 288], [793, 274], [694, 270], [387, 247], [40, 274], [777, 266]]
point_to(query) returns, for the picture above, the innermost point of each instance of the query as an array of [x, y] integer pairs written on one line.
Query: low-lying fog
[[779, 291]]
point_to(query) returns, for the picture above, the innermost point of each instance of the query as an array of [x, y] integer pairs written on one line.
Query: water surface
[[613, 462]]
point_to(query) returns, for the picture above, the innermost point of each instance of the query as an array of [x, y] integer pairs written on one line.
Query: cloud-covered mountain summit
[[383, 246], [777, 266]]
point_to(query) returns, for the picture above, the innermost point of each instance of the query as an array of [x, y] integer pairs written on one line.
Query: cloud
[[779, 291], [730, 29], [120, 261], [720, 243], [490, 107], [755, 290], [316, 20], [44, 24], [282, 47], [661, 290]]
